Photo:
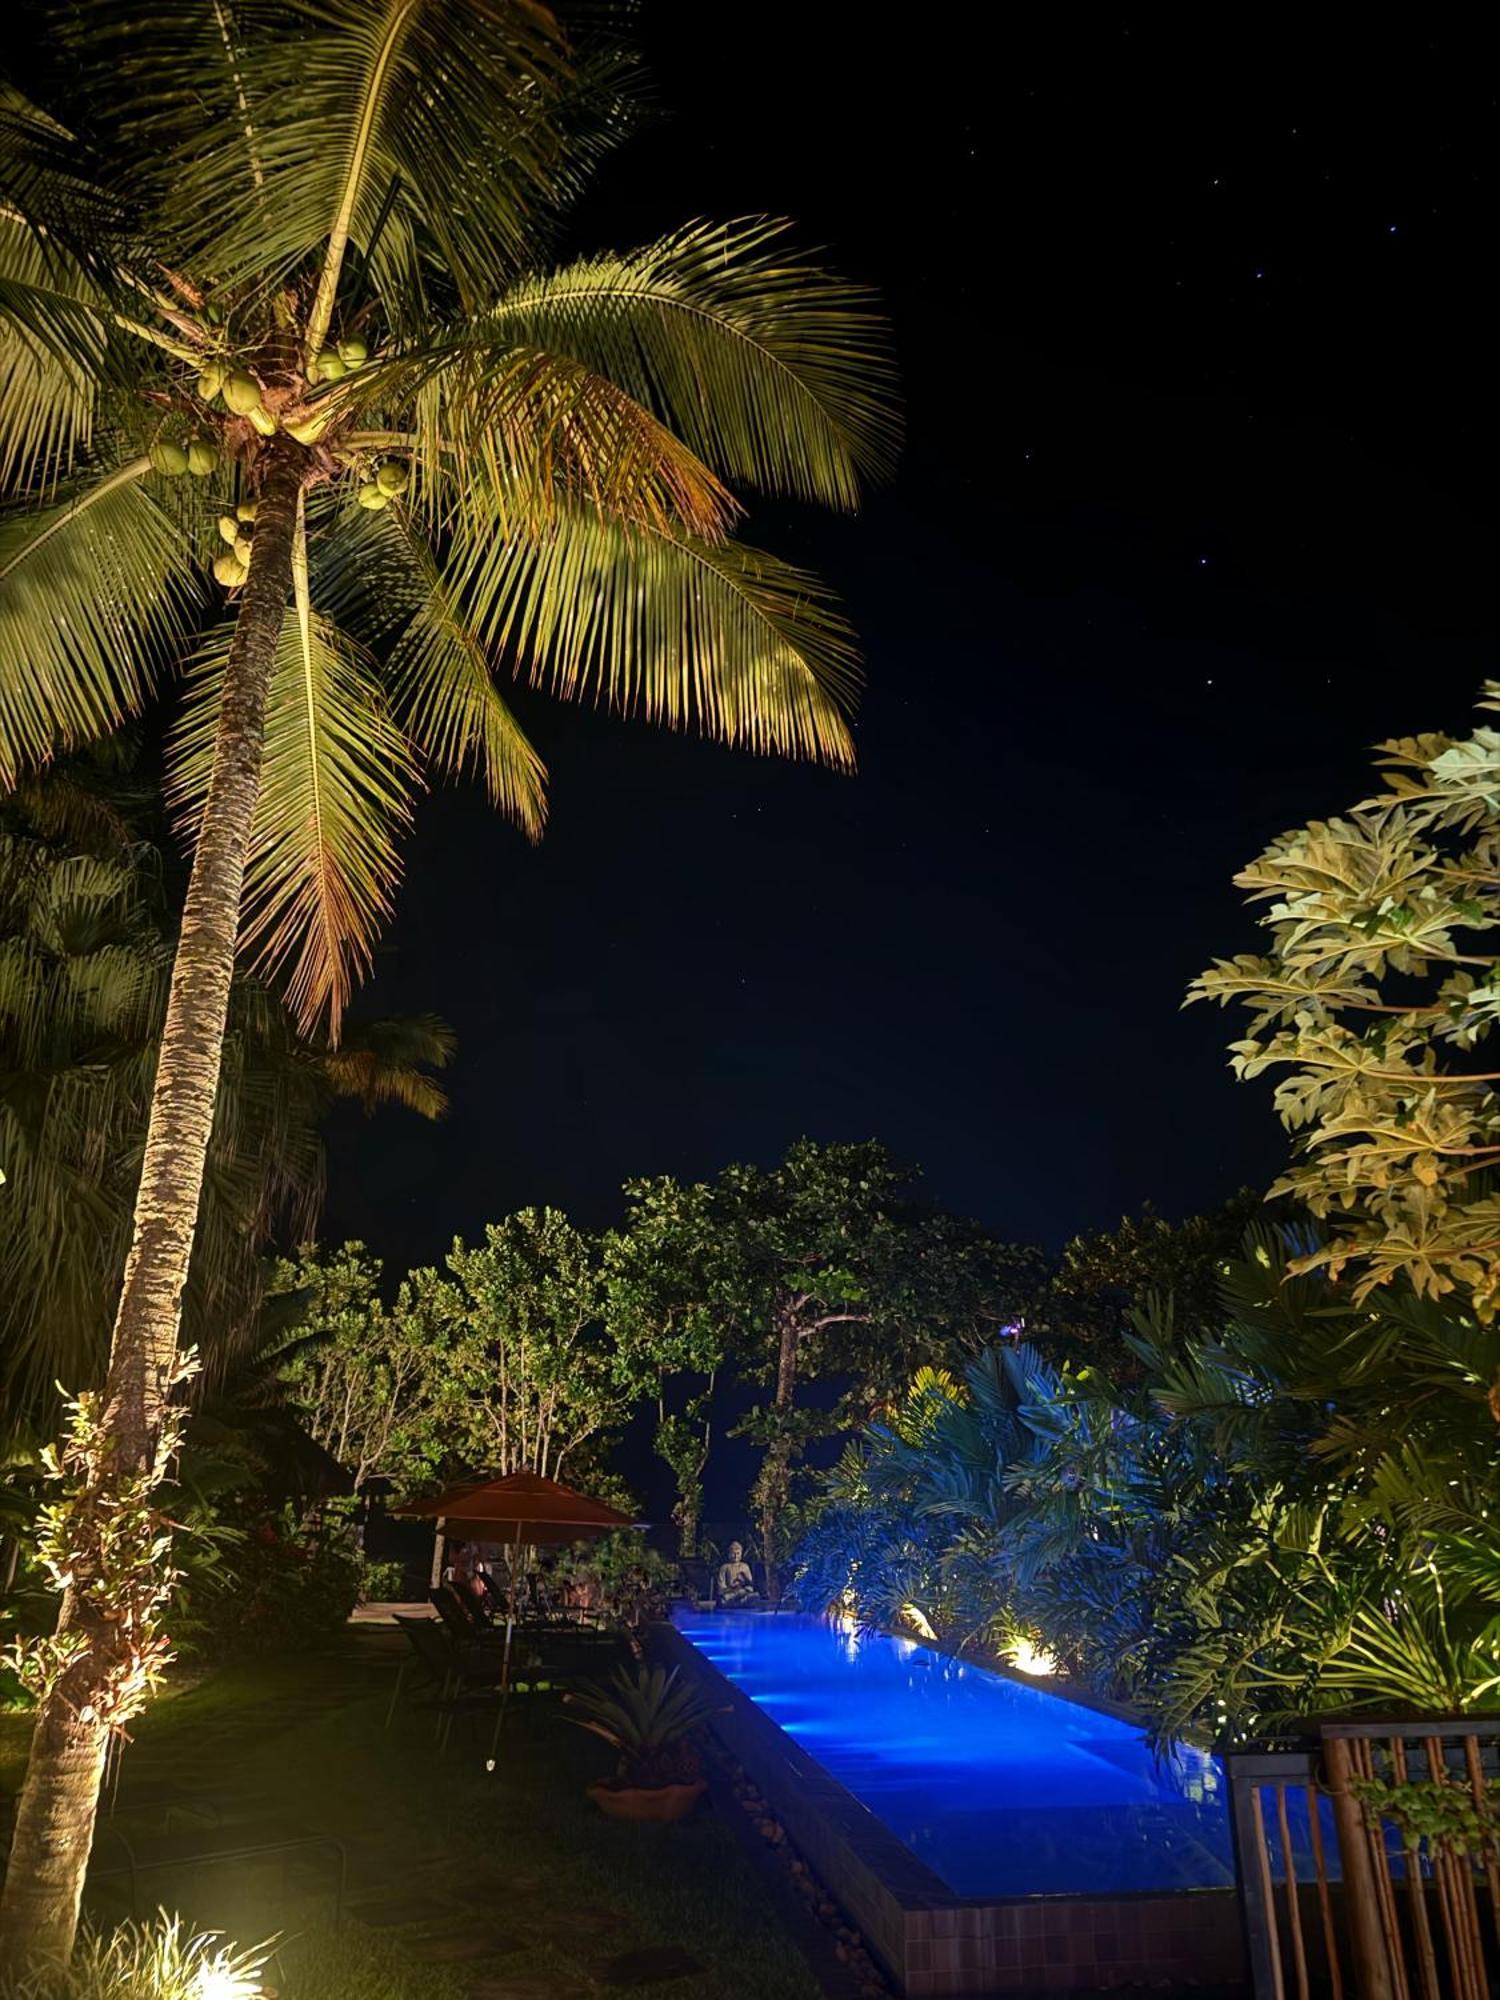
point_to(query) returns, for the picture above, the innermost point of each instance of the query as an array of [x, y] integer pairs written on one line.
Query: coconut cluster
[[241, 392], [196, 455], [390, 482], [334, 363], [232, 565]]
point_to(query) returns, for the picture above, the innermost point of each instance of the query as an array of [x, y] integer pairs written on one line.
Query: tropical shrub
[[1289, 1515], [156, 1961], [648, 1716], [381, 1582], [624, 1576], [1375, 988], [285, 1590]]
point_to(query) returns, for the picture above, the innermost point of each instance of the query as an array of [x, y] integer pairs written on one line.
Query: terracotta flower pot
[[658, 1802]]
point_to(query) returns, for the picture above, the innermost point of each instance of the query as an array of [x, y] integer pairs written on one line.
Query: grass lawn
[[507, 1887]]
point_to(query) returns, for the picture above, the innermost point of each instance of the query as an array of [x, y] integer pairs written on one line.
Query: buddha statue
[[735, 1583]]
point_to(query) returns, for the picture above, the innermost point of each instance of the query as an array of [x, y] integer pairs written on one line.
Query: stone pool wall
[[932, 1942]]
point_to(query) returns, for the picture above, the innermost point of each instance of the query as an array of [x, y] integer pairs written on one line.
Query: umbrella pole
[[510, 1628], [439, 1548]]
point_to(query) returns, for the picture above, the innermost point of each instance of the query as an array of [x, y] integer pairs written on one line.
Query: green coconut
[[245, 511], [332, 367], [229, 569], [263, 421], [229, 528], [353, 353], [241, 392], [168, 458], [242, 549], [392, 476], [203, 458], [211, 380], [371, 496]]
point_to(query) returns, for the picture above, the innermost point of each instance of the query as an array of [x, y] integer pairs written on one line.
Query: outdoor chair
[[414, 1662], [461, 1624], [465, 1679]]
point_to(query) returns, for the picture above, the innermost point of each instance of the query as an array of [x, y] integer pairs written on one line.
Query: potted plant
[[648, 1716]]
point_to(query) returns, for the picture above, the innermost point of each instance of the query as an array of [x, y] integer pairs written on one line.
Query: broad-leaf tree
[[358, 1375], [671, 1340], [1377, 987], [277, 273], [823, 1268], [1083, 1311], [523, 1375]]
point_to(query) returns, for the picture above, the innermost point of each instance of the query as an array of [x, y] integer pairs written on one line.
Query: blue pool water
[[1001, 1788]]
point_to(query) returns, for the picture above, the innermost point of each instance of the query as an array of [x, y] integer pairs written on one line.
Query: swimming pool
[[1000, 1788]]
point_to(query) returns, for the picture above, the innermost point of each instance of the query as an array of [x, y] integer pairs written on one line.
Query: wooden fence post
[[1372, 1966]]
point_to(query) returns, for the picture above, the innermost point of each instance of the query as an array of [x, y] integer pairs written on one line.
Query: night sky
[[1193, 508]]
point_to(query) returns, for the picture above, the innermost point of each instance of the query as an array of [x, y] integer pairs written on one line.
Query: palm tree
[[86, 947], [294, 250]]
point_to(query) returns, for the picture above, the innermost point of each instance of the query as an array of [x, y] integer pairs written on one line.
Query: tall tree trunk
[[775, 1473], [55, 1820]]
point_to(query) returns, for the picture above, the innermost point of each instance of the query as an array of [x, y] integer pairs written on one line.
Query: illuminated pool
[[1000, 1788]]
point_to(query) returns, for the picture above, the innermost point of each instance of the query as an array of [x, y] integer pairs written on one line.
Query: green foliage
[[648, 1716], [162, 1960], [232, 234], [624, 1576], [116, 1529], [499, 1363], [1083, 1312], [1447, 1817], [1374, 993], [86, 941], [381, 1582], [1289, 1514], [825, 1267], [359, 1377], [286, 1589]]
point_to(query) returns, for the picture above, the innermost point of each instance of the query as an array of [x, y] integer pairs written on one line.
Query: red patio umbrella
[[531, 1510], [525, 1505]]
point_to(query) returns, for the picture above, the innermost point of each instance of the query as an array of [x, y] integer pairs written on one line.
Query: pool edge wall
[[934, 1943]]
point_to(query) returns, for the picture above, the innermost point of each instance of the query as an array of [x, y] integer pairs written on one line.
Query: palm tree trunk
[[55, 1820]]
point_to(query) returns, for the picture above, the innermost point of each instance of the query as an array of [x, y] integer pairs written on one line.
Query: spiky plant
[[648, 1716], [162, 1960], [293, 249]]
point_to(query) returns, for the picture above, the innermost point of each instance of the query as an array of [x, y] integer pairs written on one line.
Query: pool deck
[[935, 1943]]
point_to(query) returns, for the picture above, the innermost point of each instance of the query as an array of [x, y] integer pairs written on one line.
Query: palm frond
[[773, 370], [336, 797], [95, 592], [377, 575], [715, 637], [402, 129], [507, 435], [52, 352], [386, 1062]]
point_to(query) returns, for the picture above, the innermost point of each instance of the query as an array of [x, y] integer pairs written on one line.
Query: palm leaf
[[52, 352], [385, 1062], [771, 369], [335, 799], [716, 637], [506, 435], [95, 592], [394, 130], [377, 577]]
